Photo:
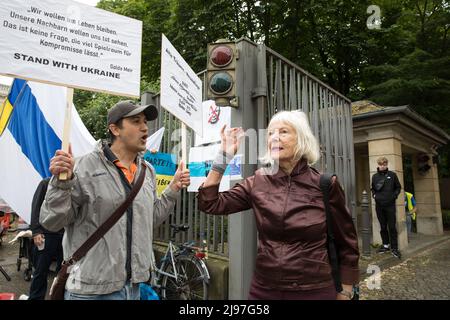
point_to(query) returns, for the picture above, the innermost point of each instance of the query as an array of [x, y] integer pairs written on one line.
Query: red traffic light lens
[[221, 83], [221, 56]]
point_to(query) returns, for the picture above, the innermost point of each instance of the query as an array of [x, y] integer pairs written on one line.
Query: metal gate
[[292, 88]]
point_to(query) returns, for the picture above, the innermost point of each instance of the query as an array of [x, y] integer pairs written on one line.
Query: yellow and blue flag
[[165, 168], [31, 126]]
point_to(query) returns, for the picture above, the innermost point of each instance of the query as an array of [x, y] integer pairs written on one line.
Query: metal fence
[[329, 112], [289, 87]]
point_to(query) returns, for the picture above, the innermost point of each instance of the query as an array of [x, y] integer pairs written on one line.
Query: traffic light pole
[[149, 98], [242, 226]]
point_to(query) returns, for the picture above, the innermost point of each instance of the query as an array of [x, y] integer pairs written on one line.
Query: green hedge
[[446, 218]]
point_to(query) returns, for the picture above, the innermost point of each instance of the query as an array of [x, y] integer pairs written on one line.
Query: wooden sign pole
[[67, 127], [183, 144]]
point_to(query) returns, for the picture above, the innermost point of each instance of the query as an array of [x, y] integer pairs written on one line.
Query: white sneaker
[[23, 297]]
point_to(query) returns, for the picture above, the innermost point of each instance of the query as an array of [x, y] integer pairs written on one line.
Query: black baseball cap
[[128, 108]]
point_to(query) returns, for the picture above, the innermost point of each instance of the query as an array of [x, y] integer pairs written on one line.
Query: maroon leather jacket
[[291, 222]]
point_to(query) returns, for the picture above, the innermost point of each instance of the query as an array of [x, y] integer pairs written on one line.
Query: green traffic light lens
[[221, 83]]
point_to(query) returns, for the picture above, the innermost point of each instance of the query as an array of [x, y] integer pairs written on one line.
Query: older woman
[[292, 260]]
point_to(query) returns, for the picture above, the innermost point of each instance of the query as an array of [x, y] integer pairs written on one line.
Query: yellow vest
[[409, 203]]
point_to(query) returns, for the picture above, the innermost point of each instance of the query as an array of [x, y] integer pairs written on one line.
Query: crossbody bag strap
[[108, 224], [325, 185]]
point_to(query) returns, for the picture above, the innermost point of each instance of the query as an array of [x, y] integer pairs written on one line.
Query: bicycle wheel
[[192, 282]]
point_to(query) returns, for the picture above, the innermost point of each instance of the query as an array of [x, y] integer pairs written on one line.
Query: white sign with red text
[[214, 118]]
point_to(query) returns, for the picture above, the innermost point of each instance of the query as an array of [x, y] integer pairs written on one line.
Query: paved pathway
[[424, 276]]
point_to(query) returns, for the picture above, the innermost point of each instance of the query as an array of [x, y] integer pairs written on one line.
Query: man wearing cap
[[97, 184]]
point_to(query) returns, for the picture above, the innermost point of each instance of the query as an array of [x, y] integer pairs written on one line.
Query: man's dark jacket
[[385, 187], [38, 198]]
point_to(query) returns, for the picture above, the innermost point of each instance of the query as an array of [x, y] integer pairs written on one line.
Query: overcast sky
[[8, 80]]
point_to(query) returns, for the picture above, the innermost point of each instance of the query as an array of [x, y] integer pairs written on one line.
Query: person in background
[[410, 209], [4, 224], [385, 189], [47, 246]]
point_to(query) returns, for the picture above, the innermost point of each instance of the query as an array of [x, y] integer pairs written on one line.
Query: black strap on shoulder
[[325, 185], [111, 221]]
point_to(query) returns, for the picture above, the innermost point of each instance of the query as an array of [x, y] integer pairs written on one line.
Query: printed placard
[[181, 88], [68, 43]]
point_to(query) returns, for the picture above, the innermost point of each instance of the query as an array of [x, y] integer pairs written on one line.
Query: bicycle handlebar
[[179, 227]]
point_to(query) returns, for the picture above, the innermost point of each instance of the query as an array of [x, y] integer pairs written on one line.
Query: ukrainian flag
[[8, 105], [5, 114], [31, 126]]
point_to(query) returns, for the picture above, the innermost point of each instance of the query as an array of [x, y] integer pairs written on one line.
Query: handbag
[[325, 184], [380, 184], [59, 283]]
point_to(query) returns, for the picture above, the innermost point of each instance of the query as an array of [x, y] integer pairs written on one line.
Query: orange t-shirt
[[128, 173]]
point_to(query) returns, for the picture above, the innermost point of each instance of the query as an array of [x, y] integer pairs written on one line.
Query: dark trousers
[[42, 261], [387, 219]]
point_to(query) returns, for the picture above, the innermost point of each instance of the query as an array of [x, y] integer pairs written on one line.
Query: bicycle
[[182, 273]]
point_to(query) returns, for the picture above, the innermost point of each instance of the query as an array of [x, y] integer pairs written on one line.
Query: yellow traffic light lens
[[221, 56], [221, 83]]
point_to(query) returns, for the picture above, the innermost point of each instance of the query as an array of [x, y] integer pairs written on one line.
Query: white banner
[[154, 141], [67, 43], [181, 88], [200, 163]]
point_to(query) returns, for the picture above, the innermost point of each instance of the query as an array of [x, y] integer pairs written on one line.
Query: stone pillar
[[391, 148], [428, 201]]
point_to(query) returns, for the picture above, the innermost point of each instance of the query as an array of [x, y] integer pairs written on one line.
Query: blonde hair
[[382, 160], [307, 145]]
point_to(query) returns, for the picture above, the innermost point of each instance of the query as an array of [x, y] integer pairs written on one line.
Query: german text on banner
[[181, 88], [72, 44]]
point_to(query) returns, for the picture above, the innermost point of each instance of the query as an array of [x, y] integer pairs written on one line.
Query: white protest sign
[[71, 44], [200, 163], [181, 88], [214, 118]]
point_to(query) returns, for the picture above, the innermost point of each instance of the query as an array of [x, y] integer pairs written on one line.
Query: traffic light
[[221, 73], [422, 163]]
